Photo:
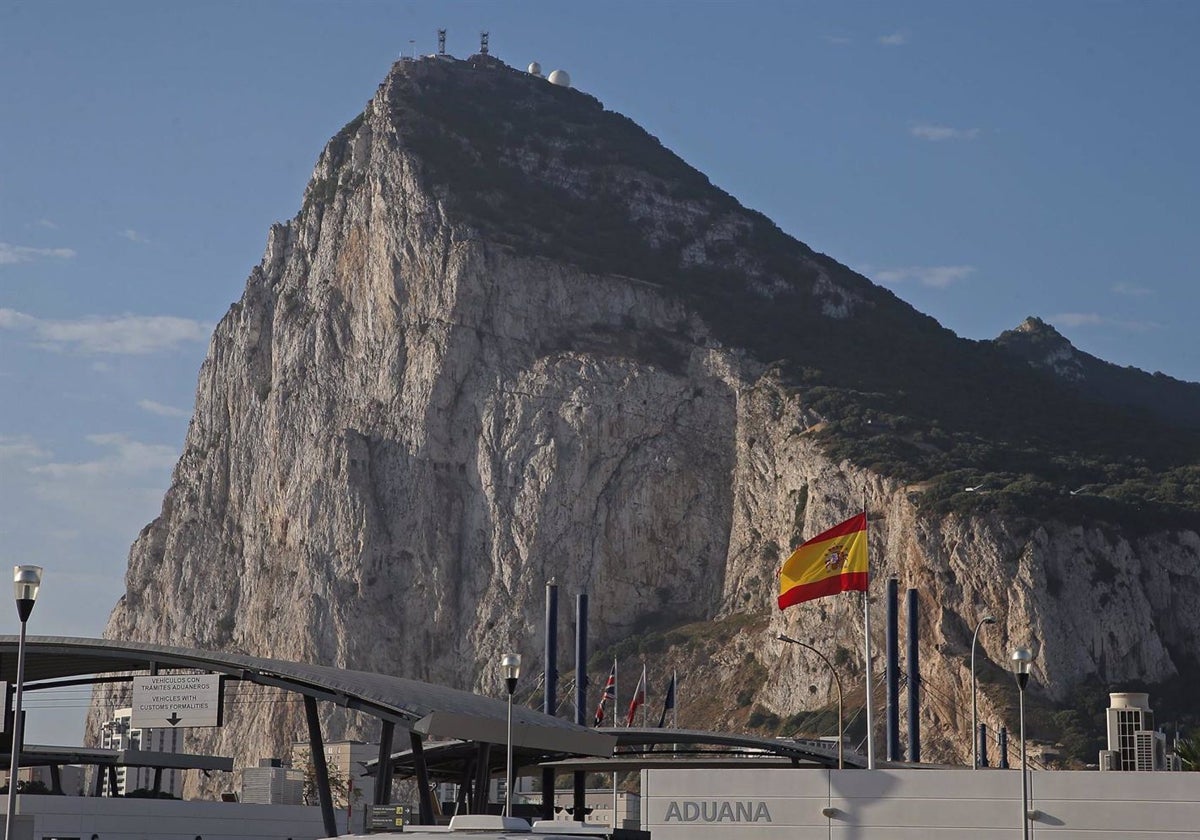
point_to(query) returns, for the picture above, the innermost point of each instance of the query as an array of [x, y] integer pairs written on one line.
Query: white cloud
[[126, 457], [1130, 290], [22, 448], [1094, 319], [933, 276], [894, 39], [12, 254], [47, 224], [118, 335], [161, 409], [132, 235], [837, 39], [937, 133]]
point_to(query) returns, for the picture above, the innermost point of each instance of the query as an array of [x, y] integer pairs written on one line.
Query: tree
[[1188, 750], [339, 788]]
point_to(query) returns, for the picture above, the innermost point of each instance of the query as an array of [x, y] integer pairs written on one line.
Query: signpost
[[386, 818], [167, 701]]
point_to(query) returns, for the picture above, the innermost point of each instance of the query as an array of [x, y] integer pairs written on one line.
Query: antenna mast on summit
[[483, 45], [441, 42]]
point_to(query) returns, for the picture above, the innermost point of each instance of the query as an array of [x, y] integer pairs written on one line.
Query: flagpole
[[675, 708], [616, 705], [867, 642], [645, 696]]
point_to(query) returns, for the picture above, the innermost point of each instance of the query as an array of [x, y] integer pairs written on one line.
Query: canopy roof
[[433, 710]]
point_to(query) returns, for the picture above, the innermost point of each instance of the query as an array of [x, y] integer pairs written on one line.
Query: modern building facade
[[118, 734], [1133, 743]]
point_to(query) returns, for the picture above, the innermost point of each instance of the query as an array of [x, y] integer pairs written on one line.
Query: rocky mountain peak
[[510, 337]]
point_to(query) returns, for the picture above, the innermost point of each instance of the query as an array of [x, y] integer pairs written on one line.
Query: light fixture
[[836, 681], [27, 580], [510, 668], [985, 619], [1022, 659]]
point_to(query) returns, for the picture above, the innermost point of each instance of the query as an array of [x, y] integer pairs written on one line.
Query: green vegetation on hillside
[[549, 173]]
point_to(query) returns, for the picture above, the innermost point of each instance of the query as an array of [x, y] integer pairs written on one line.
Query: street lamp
[[987, 619], [26, 582], [510, 666], [836, 681], [1022, 658]]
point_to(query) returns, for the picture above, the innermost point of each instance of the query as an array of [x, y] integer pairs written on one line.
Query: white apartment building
[[1132, 742], [117, 734]]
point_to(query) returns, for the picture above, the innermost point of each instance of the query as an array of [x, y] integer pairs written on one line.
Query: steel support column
[[383, 767], [320, 769], [424, 808], [482, 776]]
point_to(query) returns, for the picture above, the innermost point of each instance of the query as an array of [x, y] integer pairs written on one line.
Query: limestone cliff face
[[405, 427]]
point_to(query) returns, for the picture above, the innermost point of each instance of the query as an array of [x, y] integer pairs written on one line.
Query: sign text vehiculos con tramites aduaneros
[[176, 700]]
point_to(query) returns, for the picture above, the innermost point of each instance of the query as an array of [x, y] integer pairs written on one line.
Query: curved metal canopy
[[430, 709]]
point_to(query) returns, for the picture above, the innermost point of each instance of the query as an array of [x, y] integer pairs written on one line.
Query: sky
[[986, 162]]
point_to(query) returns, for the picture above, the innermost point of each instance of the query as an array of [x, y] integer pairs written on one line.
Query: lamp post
[[1022, 658], [510, 665], [987, 619], [836, 681], [26, 582]]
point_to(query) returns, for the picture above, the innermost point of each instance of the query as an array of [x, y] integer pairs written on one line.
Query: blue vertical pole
[[1003, 747], [581, 686], [914, 682], [982, 734], [893, 671]]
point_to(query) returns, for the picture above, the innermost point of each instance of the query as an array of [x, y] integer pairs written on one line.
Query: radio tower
[[483, 46], [441, 42]]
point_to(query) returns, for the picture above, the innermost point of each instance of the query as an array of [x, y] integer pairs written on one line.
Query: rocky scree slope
[[508, 338]]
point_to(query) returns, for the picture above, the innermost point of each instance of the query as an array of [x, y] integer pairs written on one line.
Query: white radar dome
[[560, 78], [535, 69]]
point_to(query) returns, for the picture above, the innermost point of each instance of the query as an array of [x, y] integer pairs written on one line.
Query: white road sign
[[176, 701]]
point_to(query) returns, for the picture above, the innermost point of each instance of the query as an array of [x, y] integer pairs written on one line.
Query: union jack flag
[[610, 693]]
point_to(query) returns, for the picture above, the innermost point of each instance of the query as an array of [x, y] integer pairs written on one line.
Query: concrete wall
[[786, 804], [140, 819]]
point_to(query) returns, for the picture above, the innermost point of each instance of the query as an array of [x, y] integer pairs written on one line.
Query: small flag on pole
[[610, 693], [831, 562], [668, 703], [639, 697]]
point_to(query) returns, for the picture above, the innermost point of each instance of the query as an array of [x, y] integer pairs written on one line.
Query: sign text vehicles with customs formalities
[[166, 701]]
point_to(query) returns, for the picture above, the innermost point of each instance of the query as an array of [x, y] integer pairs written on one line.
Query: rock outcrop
[[416, 416]]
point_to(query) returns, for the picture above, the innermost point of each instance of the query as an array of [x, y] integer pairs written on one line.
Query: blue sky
[[986, 162]]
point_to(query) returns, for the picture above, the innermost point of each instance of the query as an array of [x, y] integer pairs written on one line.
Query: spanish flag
[[831, 562]]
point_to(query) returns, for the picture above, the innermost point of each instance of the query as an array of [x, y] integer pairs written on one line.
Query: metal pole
[[837, 683], [579, 801], [914, 681], [550, 689], [893, 671], [1024, 774], [15, 764], [987, 619], [509, 773]]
